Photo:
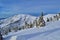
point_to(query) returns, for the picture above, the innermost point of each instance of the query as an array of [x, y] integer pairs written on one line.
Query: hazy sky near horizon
[[33, 7]]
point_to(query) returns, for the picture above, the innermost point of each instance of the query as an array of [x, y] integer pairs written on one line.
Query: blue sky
[[33, 7]]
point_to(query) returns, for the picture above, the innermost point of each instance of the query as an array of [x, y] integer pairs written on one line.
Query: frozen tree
[[9, 30], [50, 19], [31, 25], [26, 25], [19, 28], [56, 18], [59, 14], [35, 22], [47, 19], [15, 29], [41, 20]]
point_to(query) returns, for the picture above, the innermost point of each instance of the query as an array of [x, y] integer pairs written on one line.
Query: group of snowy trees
[[38, 22], [54, 18], [41, 21]]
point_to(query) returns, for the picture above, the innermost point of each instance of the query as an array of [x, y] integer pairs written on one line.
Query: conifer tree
[[31, 25], [47, 19], [9, 30], [51, 19], [26, 25], [41, 20], [57, 17], [34, 23], [59, 14]]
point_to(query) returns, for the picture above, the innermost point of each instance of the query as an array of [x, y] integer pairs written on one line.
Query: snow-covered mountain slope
[[50, 32], [48, 16], [17, 20]]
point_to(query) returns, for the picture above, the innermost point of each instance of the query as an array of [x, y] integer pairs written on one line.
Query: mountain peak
[[20, 17]]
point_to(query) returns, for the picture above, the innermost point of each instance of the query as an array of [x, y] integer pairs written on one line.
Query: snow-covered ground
[[50, 32]]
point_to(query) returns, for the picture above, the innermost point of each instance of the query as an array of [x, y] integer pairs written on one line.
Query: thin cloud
[[28, 6]]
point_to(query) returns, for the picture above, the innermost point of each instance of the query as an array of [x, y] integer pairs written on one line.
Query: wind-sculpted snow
[[50, 32]]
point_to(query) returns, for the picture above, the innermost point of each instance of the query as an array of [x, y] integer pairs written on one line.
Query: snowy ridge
[[48, 16], [21, 17]]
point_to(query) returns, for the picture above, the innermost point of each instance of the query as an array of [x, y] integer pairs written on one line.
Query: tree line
[[38, 22]]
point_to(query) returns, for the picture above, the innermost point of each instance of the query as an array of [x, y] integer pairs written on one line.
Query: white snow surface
[[50, 32]]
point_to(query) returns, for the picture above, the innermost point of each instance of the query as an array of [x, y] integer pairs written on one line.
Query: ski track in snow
[[28, 36]]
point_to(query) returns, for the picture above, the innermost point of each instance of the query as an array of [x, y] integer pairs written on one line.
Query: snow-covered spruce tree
[[59, 15], [41, 20], [55, 18], [31, 25], [19, 28], [26, 25], [9, 30], [15, 29], [50, 19], [35, 22], [47, 19]]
